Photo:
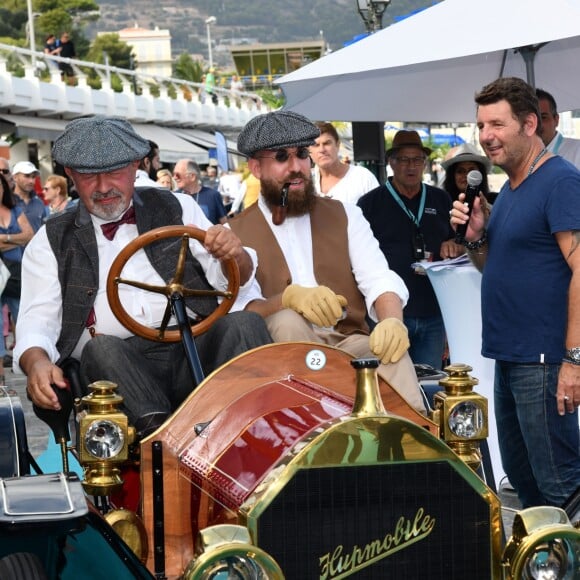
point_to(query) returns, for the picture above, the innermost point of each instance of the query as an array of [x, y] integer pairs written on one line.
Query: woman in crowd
[[15, 233], [165, 179], [56, 195], [458, 162]]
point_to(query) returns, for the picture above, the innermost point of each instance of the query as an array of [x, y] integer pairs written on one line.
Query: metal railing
[[26, 64]]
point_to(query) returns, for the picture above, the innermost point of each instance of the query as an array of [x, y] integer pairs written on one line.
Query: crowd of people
[[326, 253]]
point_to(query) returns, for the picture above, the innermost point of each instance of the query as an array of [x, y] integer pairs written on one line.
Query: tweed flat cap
[[99, 145], [276, 130]]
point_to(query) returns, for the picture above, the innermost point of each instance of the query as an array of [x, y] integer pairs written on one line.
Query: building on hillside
[[259, 65], [152, 49]]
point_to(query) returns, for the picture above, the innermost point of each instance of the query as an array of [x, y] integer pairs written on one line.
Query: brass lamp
[[462, 415], [103, 439]]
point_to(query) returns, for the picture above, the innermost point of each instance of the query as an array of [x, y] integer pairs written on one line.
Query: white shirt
[[369, 265], [143, 180], [357, 181], [566, 147], [229, 185], [40, 315]]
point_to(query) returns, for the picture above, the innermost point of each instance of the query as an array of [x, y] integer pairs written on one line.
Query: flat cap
[[276, 130], [99, 145]]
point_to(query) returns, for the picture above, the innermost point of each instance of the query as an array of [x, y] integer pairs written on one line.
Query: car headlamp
[[461, 414], [104, 439], [467, 420], [225, 552], [544, 546]]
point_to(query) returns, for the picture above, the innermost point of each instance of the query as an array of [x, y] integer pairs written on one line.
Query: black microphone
[[474, 179]]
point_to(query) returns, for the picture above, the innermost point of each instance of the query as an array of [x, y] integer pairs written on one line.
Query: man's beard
[[299, 202], [110, 211]]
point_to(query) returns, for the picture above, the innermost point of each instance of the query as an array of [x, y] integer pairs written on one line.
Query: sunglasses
[[5, 171], [282, 155]]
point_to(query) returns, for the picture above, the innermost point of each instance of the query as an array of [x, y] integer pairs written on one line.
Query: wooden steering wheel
[[174, 287]]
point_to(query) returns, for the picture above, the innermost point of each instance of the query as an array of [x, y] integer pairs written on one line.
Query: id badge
[[418, 246]]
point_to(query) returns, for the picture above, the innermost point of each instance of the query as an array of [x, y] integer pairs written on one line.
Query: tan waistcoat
[[331, 260]]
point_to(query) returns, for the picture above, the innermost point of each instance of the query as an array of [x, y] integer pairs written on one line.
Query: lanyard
[[415, 219]]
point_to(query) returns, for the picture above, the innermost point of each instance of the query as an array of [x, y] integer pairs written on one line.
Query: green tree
[[52, 17], [118, 51], [188, 69]]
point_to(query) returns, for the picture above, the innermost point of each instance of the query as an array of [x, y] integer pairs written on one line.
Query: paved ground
[[37, 431]]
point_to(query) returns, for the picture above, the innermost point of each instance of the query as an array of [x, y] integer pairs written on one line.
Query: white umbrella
[[429, 66]]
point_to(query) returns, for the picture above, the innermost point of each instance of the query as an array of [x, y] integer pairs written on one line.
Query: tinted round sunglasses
[[282, 155]]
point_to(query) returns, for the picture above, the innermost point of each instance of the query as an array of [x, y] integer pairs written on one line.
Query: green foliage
[[187, 69], [53, 21], [53, 17], [272, 98], [117, 50]]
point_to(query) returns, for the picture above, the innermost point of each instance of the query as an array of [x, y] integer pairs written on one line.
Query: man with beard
[[320, 267], [25, 174], [146, 175], [64, 310]]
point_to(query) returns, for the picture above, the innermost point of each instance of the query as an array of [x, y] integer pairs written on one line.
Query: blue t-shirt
[[35, 211], [211, 203], [524, 291]]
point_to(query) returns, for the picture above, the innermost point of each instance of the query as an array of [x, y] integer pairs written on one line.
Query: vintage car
[[293, 460]]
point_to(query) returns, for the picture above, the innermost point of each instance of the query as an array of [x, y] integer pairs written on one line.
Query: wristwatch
[[572, 356]]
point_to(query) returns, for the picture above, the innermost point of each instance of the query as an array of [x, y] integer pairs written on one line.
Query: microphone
[[474, 179]]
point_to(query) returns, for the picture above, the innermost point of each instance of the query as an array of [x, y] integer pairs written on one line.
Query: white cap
[[24, 167]]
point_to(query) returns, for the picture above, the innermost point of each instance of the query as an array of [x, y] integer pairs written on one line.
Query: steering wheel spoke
[[186, 233], [180, 268], [190, 292], [148, 287]]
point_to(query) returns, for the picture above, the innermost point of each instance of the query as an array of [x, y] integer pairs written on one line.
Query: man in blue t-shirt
[[187, 175], [25, 174], [528, 250]]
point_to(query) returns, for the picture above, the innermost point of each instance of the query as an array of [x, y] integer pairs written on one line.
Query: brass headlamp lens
[[104, 439]]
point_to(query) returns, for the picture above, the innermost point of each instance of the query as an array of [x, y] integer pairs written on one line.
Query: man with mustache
[[64, 310], [320, 267]]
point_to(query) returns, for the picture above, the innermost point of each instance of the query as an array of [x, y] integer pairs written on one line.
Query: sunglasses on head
[[282, 155]]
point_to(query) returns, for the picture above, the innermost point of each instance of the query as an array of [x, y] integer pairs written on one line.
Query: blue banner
[[222, 151]]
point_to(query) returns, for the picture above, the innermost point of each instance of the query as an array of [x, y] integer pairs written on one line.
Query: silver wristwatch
[[572, 355]]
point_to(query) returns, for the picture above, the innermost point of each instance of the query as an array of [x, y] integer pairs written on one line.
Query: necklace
[[535, 161]]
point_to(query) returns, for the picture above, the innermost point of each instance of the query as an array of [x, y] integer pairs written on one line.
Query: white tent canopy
[[429, 66]]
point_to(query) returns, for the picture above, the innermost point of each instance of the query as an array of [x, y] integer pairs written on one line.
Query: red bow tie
[[110, 229]]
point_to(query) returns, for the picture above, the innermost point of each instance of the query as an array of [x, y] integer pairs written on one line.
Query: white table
[[459, 295]]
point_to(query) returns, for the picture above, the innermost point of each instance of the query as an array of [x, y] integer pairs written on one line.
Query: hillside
[[243, 21]]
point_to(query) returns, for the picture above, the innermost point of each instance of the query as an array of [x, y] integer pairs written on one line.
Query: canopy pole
[[529, 54]]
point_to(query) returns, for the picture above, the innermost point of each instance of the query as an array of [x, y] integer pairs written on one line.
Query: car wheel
[[22, 565]]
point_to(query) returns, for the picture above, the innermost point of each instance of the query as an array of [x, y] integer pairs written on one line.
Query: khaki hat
[[465, 152], [406, 138]]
